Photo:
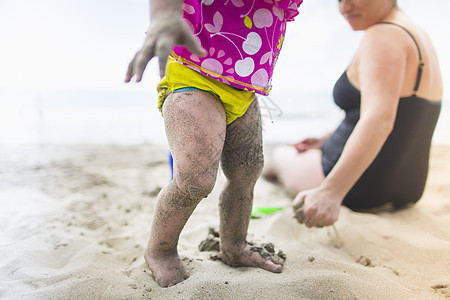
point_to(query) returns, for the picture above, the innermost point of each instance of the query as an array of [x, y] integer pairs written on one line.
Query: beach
[[83, 157], [75, 222]]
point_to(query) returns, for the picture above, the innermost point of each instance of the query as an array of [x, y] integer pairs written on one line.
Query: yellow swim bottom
[[179, 77]]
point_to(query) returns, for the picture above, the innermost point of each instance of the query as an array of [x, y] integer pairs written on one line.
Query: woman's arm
[[380, 63]]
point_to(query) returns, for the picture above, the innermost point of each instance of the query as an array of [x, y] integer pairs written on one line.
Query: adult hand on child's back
[[165, 32]]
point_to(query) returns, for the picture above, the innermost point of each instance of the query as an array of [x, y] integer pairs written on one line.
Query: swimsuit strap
[[421, 63]]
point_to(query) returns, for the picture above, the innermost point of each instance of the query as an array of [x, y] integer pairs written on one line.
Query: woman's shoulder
[[386, 39], [401, 32], [390, 33], [382, 47]]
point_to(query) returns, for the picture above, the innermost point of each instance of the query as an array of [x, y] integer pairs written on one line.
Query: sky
[[63, 63], [87, 44], [53, 44]]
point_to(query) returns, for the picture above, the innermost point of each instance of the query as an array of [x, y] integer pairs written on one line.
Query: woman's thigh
[[297, 171]]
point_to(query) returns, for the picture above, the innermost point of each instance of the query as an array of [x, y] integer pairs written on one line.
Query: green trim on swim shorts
[[191, 88], [188, 88]]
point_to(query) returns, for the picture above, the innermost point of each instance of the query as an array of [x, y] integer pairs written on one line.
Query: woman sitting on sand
[[391, 94]]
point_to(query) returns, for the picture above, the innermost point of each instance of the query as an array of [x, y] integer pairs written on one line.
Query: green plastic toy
[[259, 211]]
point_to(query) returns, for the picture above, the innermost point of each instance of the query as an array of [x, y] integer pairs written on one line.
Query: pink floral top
[[243, 39]]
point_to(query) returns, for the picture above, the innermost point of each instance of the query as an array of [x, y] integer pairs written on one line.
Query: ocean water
[[124, 117]]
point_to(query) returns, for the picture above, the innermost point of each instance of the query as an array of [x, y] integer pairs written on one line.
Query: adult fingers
[[298, 207], [300, 148], [310, 217], [299, 201], [329, 220], [320, 220]]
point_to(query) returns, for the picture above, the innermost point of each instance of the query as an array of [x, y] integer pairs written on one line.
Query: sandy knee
[[245, 170], [196, 186]]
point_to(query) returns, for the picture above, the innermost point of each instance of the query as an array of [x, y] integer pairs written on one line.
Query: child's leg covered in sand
[[195, 128], [242, 163]]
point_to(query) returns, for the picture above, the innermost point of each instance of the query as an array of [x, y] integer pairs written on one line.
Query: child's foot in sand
[[245, 255], [167, 268]]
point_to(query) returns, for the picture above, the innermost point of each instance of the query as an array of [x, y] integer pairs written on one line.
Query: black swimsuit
[[399, 172]]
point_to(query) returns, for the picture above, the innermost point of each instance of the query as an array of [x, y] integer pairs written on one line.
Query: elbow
[[381, 124], [386, 124]]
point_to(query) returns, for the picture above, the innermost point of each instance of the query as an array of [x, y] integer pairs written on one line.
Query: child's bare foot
[[245, 255], [167, 268]]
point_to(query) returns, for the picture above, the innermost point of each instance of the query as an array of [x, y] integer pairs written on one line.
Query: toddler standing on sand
[[214, 55]]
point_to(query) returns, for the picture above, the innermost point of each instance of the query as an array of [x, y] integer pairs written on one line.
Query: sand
[[74, 223]]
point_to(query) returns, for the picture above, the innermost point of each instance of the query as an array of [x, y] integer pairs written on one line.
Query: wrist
[[333, 190], [165, 9]]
